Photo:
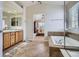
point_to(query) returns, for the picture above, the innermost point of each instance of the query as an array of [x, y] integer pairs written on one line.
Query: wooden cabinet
[[17, 37], [6, 40], [13, 38], [20, 36]]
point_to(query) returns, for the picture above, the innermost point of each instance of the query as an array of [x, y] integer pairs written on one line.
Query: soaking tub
[[59, 40]]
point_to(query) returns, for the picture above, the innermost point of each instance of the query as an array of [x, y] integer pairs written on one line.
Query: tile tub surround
[[55, 33], [55, 52]]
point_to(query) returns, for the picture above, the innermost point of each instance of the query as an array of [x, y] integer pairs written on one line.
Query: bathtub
[[59, 40], [69, 42]]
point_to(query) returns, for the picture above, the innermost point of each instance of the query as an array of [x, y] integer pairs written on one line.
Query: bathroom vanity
[[11, 37]]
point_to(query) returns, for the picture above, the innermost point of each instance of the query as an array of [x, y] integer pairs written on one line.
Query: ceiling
[[11, 7], [30, 3]]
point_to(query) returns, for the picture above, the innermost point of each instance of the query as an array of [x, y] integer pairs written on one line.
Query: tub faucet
[[60, 41]]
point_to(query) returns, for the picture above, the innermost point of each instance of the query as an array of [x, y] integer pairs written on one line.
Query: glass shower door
[[72, 38], [71, 43]]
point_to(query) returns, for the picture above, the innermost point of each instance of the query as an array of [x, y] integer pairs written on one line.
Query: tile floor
[[38, 47]]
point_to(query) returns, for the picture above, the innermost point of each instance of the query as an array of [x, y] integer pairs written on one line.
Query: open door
[[39, 24]]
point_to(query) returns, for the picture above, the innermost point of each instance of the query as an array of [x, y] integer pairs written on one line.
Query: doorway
[[38, 24], [38, 28]]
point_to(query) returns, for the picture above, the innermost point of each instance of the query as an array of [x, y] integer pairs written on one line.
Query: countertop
[[12, 30]]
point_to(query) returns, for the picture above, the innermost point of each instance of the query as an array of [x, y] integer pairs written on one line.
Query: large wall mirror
[[16, 21], [12, 15]]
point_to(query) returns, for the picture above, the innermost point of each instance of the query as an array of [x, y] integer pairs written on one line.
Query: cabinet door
[[13, 38], [20, 35], [6, 40], [17, 37]]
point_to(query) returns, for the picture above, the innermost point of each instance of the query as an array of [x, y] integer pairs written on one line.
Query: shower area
[[69, 41]]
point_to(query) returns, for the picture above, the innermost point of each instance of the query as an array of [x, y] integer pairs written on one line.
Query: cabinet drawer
[[13, 38]]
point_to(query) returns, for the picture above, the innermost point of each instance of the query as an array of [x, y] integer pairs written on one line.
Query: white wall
[[55, 18], [24, 24], [51, 12], [31, 11], [55, 12], [54, 26], [1, 37]]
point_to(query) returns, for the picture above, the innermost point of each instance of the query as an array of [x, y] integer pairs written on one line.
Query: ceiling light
[[39, 2]]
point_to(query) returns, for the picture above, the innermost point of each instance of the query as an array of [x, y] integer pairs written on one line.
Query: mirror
[[12, 15], [16, 21]]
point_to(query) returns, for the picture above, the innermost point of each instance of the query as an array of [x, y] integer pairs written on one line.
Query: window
[[73, 17]]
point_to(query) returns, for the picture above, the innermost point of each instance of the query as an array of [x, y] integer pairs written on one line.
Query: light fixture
[[39, 2]]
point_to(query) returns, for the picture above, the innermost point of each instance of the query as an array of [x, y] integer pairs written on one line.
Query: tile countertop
[[12, 30]]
